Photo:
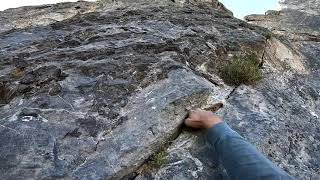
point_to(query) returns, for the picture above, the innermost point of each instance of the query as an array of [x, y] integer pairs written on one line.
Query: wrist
[[213, 121]]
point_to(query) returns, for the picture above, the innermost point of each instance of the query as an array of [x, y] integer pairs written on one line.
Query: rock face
[[298, 22], [97, 94], [42, 15]]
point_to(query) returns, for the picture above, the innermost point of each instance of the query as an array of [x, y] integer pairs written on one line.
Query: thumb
[[187, 121], [191, 123]]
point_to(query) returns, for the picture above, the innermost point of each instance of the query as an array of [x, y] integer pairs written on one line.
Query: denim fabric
[[241, 159]]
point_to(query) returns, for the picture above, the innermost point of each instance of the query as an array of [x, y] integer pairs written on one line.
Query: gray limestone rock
[[42, 15], [188, 157], [281, 119], [94, 96], [299, 22], [279, 115]]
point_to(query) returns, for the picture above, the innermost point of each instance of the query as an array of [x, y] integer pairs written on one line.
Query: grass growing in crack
[[242, 70], [268, 35], [156, 161], [160, 158]]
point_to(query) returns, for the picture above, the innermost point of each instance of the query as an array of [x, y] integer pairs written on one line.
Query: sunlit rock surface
[[42, 15], [298, 22]]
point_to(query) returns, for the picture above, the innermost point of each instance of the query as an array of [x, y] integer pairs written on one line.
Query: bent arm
[[241, 159]]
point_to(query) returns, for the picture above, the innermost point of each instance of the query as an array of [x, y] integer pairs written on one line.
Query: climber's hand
[[202, 119]]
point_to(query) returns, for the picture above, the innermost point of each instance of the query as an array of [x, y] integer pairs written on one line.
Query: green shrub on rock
[[268, 35], [159, 159], [242, 70]]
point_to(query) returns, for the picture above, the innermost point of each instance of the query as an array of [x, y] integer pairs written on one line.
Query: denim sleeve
[[241, 159]]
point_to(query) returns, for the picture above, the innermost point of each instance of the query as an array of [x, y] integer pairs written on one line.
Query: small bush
[[159, 159], [268, 35], [156, 160], [242, 70]]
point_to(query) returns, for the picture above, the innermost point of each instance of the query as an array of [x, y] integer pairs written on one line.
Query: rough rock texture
[[280, 115], [299, 22], [94, 96], [42, 15]]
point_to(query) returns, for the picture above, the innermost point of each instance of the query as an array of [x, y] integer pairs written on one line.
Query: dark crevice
[[55, 153], [231, 93], [161, 147], [215, 107], [6, 94], [97, 145], [151, 130], [167, 143], [73, 134], [206, 76], [263, 55]]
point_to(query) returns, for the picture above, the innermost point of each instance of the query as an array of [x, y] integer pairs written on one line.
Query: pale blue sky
[[241, 8]]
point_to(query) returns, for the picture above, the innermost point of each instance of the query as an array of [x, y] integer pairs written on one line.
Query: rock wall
[[298, 23], [97, 94], [42, 15]]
